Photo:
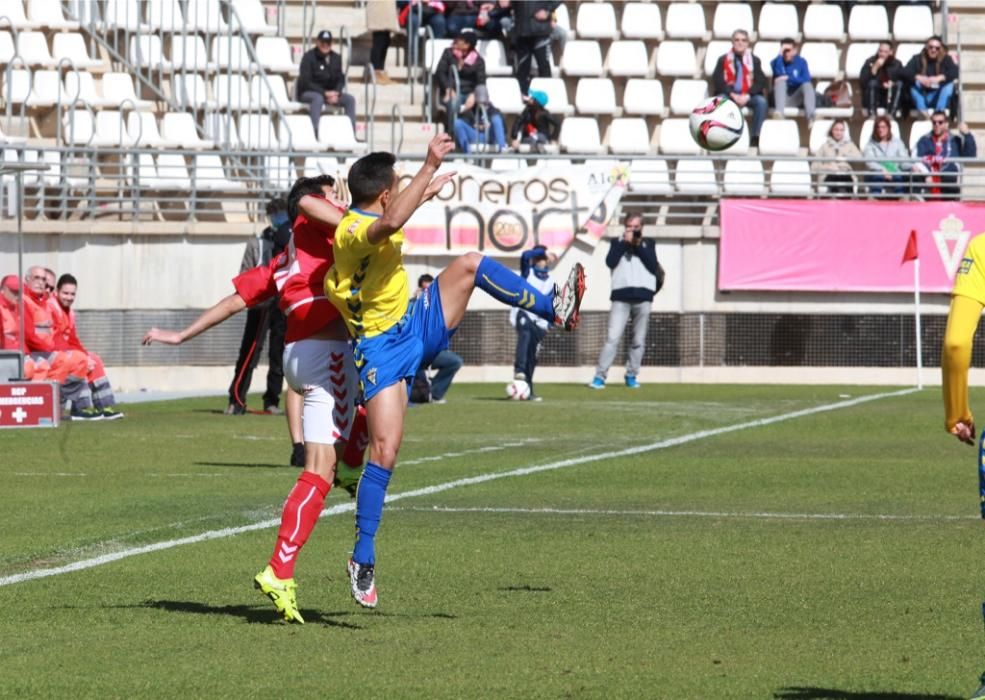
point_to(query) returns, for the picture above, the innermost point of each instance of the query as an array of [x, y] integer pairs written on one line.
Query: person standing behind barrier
[[381, 20], [636, 278], [321, 80], [532, 31]]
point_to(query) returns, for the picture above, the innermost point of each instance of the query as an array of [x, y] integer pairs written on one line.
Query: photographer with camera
[[636, 277]]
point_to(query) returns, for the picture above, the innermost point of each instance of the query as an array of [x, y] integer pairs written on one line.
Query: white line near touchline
[[457, 483]]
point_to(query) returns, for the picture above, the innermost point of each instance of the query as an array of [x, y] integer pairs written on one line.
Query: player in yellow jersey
[[393, 337], [967, 302]]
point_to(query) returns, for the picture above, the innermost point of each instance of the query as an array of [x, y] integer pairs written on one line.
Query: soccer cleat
[[363, 582], [597, 383], [567, 301], [297, 455], [631, 382], [347, 477], [111, 413], [282, 591], [86, 414]]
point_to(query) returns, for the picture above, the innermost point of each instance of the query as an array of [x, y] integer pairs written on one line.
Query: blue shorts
[[398, 352]]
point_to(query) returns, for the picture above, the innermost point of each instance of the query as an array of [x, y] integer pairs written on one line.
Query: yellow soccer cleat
[[282, 591]]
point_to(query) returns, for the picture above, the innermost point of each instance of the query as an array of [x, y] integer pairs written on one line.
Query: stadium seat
[[433, 49], [274, 54], [48, 14], [713, 52], [231, 92], [165, 15], [6, 138], [143, 127], [865, 133], [582, 59], [145, 172], [824, 23], [596, 20], [766, 51], [649, 177], [205, 16], [208, 173], [819, 134], [296, 133], [505, 95], [189, 53], [52, 177], [45, 89], [494, 54], [677, 58], [913, 23], [179, 128], [335, 132], [190, 91], [145, 50], [124, 14], [252, 17], [504, 165], [695, 177], [72, 46], [675, 138], [17, 85], [641, 20], [685, 95], [118, 88], [730, 16], [256, 131], [918, 129], [563, 20], [856, 56], [629, 135], [279, 173], [33, 48], [595, 96], [314, 166], [111, 130], [230, 52], [686, 20], [172, 172], [904, 52], [26, 156], [844, 112], [628, 59], [645, 97], [557, 94], [82, 86], [778, 21], [220, 128], [271, 93], [779, 137], [791, 178], [13, 16], [821, 57], [580, 135], [744, 178], [868, 22], [7, 49]]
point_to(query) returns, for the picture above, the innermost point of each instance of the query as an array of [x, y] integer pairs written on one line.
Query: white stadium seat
[[912, 23], [675, 138], [766, 51], [845, 112], [320, 165], [822, 58], [145, 172], [650, 177], [78, 128], [596, 20], [819, 134], [918, 129], [17, 85], [256, 131], [824, 22], [190, 90], [904, 52], [557, 94], [641, 20], [564, 20], [48, 14], [628, 59], [335, 132], [778, 21], [205, 16], [144, 129], [82, 85], [643, 96], [45, 89], [209, 174], [685, 95], [111, 130], [145, 50], [7, 49], [230, 52], [166, 15], [865, 134], [779, 137], [686, 20], [124, 14], [730, 16], [272, 92], [172, 172], [595, 96], [189, 52], [744, 178], [297, 133], [279, 173], [868, 22], [505, 95], [72, 46], [714, 51], [695, 177], [179, 128], [629, 135], [582, 58], [856, 56], [791, 178], [432, 52], [252, 16], [231, 92], [221, 129], [494, 54], [118, 88], [13, 10], [580, 135], [677, 59], [274, 54], [33, 48]]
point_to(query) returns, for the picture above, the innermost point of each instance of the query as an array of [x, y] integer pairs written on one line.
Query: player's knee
[[471, 262], [383, 452]]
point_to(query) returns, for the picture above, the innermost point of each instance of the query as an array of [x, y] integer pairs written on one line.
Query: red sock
[[358, 440], [301, 511]]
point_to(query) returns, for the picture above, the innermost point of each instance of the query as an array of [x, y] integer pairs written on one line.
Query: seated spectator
[[836, 173], [446, 363], [931, 75], [535, 126], [469, 113], [881, 80], [321, 81], [67, 338], [461, 14], [535, 268], [792, 81], [481, 124], [936, 151], [739, 75], [533, 27], [432, 14], [886, 161]]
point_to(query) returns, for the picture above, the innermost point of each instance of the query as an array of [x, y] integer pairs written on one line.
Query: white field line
[[49, 473], [457, 483]]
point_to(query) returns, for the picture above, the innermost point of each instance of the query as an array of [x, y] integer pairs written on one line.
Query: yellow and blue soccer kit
[[967, 302]]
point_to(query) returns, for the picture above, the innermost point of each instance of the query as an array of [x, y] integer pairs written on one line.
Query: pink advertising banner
[[838, 246]]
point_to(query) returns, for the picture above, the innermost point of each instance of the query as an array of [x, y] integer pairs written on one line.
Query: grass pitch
[[832, 555]]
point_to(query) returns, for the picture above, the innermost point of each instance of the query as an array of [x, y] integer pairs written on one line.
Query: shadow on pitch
[[249, 613], [811, 693], [525, 588], [243, 465]]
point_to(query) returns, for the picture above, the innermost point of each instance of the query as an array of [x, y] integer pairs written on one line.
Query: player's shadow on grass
[[525, 588], [811, 693], [249, 613], [243, 465]]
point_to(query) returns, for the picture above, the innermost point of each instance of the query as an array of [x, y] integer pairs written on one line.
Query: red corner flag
[[911, 248]]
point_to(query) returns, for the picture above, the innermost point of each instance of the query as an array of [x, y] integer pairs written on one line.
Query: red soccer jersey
[[298, 274]]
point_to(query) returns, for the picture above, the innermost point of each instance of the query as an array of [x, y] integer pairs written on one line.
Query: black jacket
[[630, 283], [469, 75], [721, 86], [919, 65], [891, 70], [320, 72], [526, 25], [545, 122]]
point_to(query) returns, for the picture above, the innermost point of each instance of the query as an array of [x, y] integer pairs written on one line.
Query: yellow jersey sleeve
[[970, 280]]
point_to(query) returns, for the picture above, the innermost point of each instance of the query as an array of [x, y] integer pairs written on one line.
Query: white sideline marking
[[49, 473], [438, 488], [463, 453], [763, 515]]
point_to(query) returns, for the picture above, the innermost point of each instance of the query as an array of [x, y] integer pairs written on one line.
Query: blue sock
[[508, 287], [369, 510]]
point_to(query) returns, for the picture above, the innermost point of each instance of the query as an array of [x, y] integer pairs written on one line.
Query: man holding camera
[[636, 277]]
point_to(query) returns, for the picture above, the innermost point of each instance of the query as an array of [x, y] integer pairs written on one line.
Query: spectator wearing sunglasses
[[936, 152], [931, 75]]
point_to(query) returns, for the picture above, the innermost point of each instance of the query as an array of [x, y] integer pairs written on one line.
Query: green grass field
[[834, 554]]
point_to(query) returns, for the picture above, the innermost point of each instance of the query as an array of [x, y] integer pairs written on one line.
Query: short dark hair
[[788, 40], [302, 188], [66, 279], [371, 175], [887, 42], [939, 112], [469, 37], [276, 204], [424, 278], [631, 215]]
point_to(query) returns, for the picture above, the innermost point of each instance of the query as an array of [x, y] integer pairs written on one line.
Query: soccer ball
[[717, 123], [518, 390]]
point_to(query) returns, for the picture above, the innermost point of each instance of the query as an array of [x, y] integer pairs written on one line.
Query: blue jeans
[[466, 134], [436, 22], [447, 363], [878, 185], [924, 98], [456, 23]]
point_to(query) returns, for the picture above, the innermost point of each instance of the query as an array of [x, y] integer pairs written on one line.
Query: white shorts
[[323, 372]]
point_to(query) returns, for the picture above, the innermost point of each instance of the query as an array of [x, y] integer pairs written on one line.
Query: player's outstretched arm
[[213, 316], [422, 187]]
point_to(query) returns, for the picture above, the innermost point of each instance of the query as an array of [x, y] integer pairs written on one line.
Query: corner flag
[[910, 253], [911, 248]]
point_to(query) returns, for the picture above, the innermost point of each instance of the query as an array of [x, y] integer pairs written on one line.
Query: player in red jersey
[[317, 363]]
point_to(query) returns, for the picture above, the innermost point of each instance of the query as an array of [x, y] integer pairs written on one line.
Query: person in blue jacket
[[792, 80]]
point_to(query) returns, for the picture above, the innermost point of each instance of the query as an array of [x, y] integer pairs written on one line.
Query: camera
[[637, 233]]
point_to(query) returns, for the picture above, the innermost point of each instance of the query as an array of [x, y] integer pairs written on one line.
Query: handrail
[[960, 100], [414, 47], [7, 72], [307, 25], [396, 113], [369, 100], [78, 84], [427, 83], [345, 51]]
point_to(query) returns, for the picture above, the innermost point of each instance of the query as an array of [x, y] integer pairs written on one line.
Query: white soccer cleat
[[363, 582]]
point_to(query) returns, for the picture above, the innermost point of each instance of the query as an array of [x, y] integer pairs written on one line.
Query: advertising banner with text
[[841, 246]]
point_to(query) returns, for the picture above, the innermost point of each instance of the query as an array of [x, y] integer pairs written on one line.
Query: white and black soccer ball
[[717, 123], [518, 390]]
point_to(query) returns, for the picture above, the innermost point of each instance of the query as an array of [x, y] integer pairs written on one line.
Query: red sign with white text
[[29, 405]]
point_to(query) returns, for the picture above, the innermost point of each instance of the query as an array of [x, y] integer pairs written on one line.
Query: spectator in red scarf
[[935, 151], [739, 76]]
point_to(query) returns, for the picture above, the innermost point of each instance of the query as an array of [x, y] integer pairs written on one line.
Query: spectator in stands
[[739, 75], [260, 250], [535, 127], [936, 151], [886, 161], [67, 338], [532, 29], [881, 80], [321, 81], [432, 14], [482, 124], [381, 20], [931, 75], [535, 267], [10, 290], [636, 278], [497, 22], [446, 363], [470, 114], [836, 171], [792, 80], [461, 14]]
